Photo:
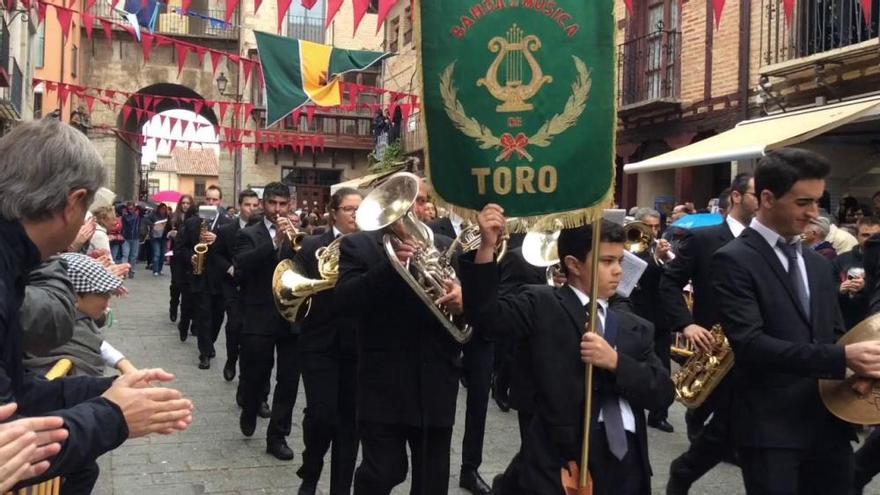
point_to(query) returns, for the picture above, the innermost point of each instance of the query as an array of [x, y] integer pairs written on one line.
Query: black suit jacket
[[644, 296], [223, 256], [324, 330], [551, 322], [408, 364], [255, 261], [443, 226], [693, 262], [780, 352], [212, 279]]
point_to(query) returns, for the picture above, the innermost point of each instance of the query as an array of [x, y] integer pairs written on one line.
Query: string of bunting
[[262, 140], [718, 8]]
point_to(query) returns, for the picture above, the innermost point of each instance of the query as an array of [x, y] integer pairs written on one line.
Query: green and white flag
[[519, 105]]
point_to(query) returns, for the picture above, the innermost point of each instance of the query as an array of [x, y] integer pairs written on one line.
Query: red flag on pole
[[360, 10], [385, 7], [332, 9]]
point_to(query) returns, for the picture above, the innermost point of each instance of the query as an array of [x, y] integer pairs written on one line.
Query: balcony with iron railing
[[649, 72], [340, 130], [817, 32], [306, 28], [174, 21]]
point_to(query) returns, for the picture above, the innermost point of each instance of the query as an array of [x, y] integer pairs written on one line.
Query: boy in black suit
[[778, 307], [628, 377]]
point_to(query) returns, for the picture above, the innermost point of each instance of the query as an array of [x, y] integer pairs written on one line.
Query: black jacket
[[408, 364], [644, 296], [693, 262], [212, 279], [780, 352], [443, 226], [95, 424], [255, 261], [325, 330], [223, 257], [551, 321]]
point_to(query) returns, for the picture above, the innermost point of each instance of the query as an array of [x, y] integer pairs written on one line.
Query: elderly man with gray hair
[[49, 173], [816, 235]]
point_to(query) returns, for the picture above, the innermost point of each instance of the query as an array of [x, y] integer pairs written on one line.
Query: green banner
[[519, 103]]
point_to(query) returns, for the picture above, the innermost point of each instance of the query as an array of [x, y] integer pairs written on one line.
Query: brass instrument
[[839, 396], [540, 249], [638, 237], [703, 371], [469, 240], [292, 289], [681, 346], [201, 252], [388, 208]]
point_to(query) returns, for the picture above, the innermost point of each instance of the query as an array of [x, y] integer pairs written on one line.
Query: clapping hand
[[26, 445]]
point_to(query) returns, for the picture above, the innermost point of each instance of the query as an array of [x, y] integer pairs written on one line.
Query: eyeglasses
[[348, 209]]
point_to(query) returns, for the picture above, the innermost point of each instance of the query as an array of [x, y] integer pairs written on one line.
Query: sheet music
[[633, 268]]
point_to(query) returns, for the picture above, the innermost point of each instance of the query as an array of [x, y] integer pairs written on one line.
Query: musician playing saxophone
[[327, 359], [407, 370]]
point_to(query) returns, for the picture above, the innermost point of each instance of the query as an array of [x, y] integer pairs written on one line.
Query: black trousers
[[256, 370], [508, 483], [329, 381], [82, 481], [712, 443], [662, 345], [867, 461], [477, 360], [384, 461], [823, 469], [234, 324], [208, 319], [616, 477]]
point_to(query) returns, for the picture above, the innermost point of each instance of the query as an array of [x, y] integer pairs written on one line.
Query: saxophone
[[201, 252], [703, 371]]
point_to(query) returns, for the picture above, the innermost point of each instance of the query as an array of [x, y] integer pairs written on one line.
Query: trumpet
[[294, 237], [469, 240], [388, 208]]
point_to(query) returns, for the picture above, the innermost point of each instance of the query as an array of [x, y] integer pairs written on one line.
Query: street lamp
[[146, 168], [222, 83]]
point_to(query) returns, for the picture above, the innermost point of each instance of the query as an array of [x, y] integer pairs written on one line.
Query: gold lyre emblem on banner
[[514, 53]]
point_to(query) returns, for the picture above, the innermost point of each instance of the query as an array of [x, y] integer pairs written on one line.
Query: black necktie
[[794, 274], [615, 434]]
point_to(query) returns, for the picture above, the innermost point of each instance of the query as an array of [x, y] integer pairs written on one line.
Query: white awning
[[754, 138]]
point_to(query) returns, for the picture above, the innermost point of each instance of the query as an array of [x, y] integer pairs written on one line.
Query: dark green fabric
[[455, 36], [342, 61]]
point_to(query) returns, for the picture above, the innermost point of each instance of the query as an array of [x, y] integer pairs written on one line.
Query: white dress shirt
[[241, 223], [629, 420], [271, 228], [735, 226], [456, 222], [772, 238], [336, 233]]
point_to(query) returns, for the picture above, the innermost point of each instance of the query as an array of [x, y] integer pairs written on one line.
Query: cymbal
[[838, 395]]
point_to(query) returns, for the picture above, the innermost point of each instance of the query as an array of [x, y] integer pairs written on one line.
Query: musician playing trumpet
[[628, 377]]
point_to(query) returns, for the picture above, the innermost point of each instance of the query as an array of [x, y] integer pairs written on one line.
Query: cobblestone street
[[214, 457]]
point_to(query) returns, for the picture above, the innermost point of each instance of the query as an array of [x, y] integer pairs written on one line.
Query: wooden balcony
[[350, 131]]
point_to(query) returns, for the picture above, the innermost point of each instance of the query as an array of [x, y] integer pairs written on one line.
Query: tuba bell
[[540, 249], [292, 289], [638, 237], [388, 208], [703, 371]]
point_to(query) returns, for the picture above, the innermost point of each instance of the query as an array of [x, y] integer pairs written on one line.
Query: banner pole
[[588, 379]]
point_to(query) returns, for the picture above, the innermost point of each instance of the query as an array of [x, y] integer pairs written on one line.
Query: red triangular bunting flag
[[63, 91], [41, 11], [308, 4], [223, 107], [185, 5], [310, 114], [90, 102], [296, 117], [231, 5], [148, 101], [147, 45], [248, 109], [184, 124], [257, 4], [283, 7], [88, 21], [140, 115], [109, 93], [246, 67], [629, 6], [215, 61], [385, 7], [360, 9], [90, 4], [866, 9], [108, 29], [200, 54], [126, 113], [197, 107], [788, 6], [161, 121], [114, 3], [717, 8], [182, 52], [173, 145], [405, 110], [332, 9], [64, 18], [172, 121]]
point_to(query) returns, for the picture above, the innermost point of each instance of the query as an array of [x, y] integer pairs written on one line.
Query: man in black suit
[[692, 264], [327, 359], [477, 358], [223, 262], [644, 298], [849, 268], [778, 307], [206, 289], [265, 332], [408, 367], [628, 377]]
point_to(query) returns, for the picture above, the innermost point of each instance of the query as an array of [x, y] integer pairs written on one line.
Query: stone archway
[[127, 154]]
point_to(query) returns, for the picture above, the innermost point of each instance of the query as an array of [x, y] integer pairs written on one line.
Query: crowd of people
[[381, 372]]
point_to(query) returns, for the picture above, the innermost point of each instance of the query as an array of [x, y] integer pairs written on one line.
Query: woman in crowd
[[156, 232], [178, 265]]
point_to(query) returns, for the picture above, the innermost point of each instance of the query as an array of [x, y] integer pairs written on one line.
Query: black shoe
[[264, 411], [238, 399], [247, 424], [308, 487], [229, 370], [204, 363], [471, 481], [172, 313], [661, 424], [279, 449], [183, 328], [677, 487], [212, 355], [501, 398]]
